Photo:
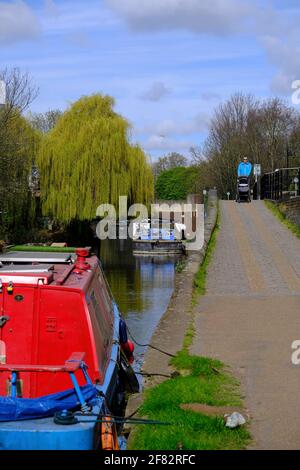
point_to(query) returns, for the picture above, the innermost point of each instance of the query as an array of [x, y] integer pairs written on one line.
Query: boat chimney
[[81, 264]]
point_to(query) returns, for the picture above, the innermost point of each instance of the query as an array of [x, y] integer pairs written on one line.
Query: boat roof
[[35, 257], [27, 268], [45, 268]]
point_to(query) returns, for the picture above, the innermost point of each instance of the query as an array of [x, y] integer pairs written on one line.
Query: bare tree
[[277, 123], [17, 151], [293, 150], [20, 89], [227, 141], [197, 154], [172, 160], [20, 93], [44, 122], [244, 126]]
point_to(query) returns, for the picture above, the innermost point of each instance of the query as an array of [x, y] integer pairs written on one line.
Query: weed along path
[[250, 316]]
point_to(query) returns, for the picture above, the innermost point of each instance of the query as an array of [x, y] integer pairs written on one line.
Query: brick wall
[[291, 209]]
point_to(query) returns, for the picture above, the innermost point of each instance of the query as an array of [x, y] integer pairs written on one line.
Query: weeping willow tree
[[18, 148], [142, 179], [87, 160]]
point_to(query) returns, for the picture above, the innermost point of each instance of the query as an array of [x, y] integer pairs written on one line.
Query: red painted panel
[[17, 333], [48, 323], [62, 330], [71, 365]]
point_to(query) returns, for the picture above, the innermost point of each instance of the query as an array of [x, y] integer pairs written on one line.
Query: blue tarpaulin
[[16, 409]]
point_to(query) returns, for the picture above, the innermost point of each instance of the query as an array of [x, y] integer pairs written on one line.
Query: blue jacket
[[245, 169]]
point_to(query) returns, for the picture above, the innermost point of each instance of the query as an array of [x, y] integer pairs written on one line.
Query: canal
[[142, 286]]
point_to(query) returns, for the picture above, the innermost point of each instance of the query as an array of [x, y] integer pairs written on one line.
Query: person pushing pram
[[243, 183]]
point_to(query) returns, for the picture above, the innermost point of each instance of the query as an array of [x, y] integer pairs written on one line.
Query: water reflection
[[142, 287]]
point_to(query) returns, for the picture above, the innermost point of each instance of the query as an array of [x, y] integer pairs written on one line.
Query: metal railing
[[282, 184]]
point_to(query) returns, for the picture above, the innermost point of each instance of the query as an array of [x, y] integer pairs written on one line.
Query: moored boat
[[64, 353], [157, 241]]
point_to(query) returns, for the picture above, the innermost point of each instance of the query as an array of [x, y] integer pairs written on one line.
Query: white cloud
[[219, 17], [284, 54], [277, 30], [172, 127], [18, 22], [172, 135], [198, 124], [156, 92], [156, 142]]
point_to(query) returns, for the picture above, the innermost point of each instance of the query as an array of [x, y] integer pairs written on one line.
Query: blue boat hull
[[44, 434]]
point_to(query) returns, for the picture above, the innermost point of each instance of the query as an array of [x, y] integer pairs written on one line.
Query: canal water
[[142, 287]]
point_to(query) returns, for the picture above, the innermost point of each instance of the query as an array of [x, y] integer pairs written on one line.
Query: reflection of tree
[[123, 274], [128, 291], [116, 253], [77, 233], [132, 279]]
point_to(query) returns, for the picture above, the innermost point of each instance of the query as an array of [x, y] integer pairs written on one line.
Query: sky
[[167, 63]]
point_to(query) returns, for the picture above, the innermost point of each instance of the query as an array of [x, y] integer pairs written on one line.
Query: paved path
[[250, 316]]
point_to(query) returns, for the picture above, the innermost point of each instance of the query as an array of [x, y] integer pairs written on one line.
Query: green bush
[[177, 183]]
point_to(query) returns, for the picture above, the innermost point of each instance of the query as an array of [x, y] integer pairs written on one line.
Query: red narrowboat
[[64, 352]]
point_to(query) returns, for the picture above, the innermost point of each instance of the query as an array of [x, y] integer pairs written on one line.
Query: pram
[[243, 192]]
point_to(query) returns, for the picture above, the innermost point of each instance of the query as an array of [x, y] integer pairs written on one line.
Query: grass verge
[[201, 380], [283, 219], [46, 249], [200, 278]]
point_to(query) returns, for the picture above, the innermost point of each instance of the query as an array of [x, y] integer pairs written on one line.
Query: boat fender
[[130, 346], [127, 375], [123, 331], [109, 438], [128, 349], [126, 345]]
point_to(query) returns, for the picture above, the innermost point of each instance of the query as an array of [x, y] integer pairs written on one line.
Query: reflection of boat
[[157, 247], [157, 237], [64, 352]]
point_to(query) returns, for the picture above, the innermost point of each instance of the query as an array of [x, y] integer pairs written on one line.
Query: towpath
[[250, 316]]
